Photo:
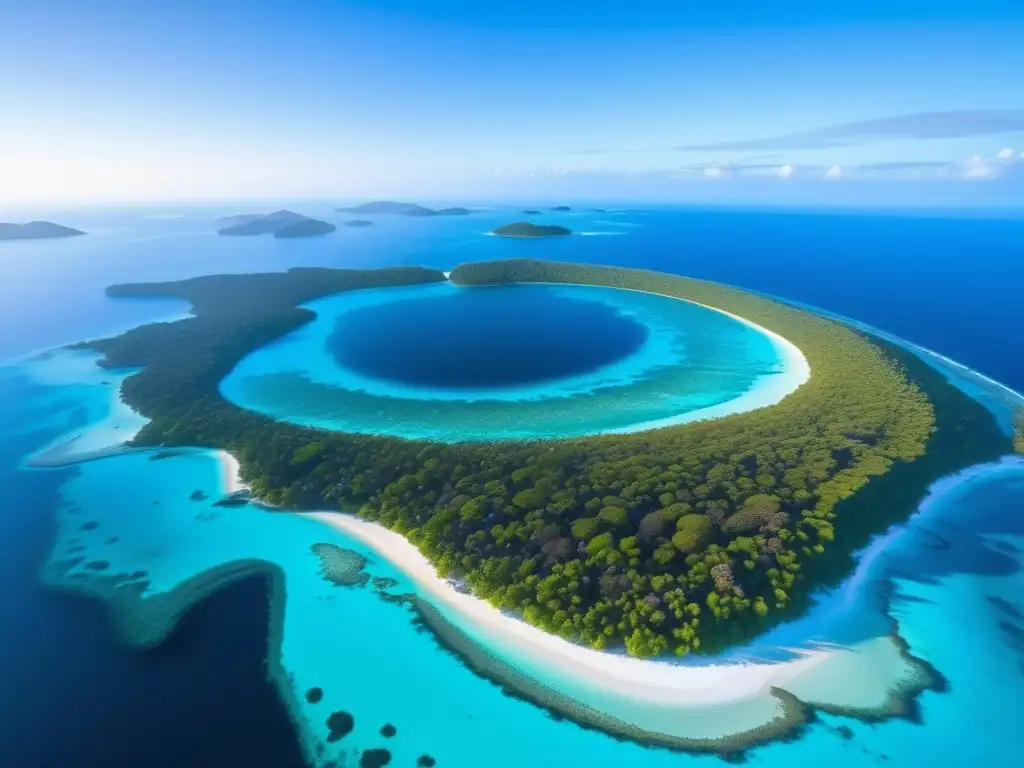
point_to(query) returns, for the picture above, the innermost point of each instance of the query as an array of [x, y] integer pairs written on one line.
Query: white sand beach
[[767, 390], [230, 473], [714, 701]]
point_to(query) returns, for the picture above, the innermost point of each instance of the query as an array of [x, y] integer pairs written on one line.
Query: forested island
[[36, 230], [403, 209], [683, 539], [529, 229], [305, 228], [282, 224]]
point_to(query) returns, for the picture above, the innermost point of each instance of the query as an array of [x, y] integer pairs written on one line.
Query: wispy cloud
[[748, 169], [905, 165], [737, 167], [979, 167], [924, 125], [1006, 164]]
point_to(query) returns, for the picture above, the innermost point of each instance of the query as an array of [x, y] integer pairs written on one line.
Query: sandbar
[[722, 707]]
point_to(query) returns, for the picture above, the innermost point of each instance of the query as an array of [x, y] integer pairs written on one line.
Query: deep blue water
[[71, 697], [947, 280], [693, 363], [484, 339]]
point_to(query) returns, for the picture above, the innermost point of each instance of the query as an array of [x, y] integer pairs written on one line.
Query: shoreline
[[230, 473], [719, 707], [791, 371], [769, 389]]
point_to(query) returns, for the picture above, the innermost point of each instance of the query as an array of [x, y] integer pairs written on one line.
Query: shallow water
[[675, 361], [357, 646], [951, 577]]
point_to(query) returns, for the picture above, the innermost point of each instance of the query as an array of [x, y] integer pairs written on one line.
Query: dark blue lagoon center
[[449, 363], [484, 338]]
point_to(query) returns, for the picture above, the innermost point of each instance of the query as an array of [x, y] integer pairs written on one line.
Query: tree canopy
[[674, 540]]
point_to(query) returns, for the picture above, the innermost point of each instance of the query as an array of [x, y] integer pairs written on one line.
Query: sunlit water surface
[[951, 577], [450, 363]]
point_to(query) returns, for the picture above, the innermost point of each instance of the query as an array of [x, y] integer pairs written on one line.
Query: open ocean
[[72, 696]]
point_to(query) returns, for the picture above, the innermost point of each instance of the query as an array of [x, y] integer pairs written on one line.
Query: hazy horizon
[[850, 104]]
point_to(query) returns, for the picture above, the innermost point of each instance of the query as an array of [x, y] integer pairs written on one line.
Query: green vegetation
[[528, 229], [1018, 433], [305, 228], [283, 224], [676, 540], [404, 209]]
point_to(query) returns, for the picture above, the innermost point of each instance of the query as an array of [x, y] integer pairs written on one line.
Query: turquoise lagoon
[[951, 577], [639, 360], [161, 542]]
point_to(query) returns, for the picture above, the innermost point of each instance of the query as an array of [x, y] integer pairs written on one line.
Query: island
[[531, 212], [305, 228], [683, 540], [403, 209], [36, 230], [281, 224], [357, 223], [561, 208], [526, 229]]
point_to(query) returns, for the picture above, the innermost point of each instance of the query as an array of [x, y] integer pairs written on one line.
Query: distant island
[[305, 228], [528, 229], [561, 208], [36, 230], [403, 209], [359, 223], [281, 224], [530, 212]]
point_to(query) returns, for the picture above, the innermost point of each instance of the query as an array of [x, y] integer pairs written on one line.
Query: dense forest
[[527, 229], [674, 540]]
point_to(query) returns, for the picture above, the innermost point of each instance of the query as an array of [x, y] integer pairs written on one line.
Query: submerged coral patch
[[374, 758], [314, 695], [342, 567], [339, 725]]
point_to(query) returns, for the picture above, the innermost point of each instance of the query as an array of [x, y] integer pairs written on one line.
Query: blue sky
[[899, 101]]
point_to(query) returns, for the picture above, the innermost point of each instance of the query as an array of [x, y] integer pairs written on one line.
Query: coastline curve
[[681, 374]]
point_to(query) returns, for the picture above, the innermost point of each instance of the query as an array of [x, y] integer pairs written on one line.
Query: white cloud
[[713, 172], [978, 167], [786, 171], [1005, 154], [835, 172]]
